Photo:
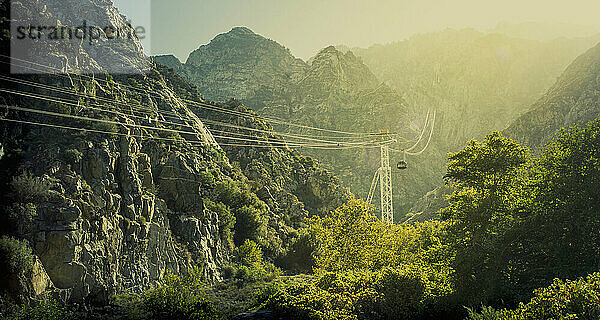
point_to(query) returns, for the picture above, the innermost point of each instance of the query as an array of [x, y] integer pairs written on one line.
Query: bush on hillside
[[175, 297], [15, 256], [28, 188], [43, 310]]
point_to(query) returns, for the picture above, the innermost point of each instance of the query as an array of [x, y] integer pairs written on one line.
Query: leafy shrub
[[174, 298], [299, 256], [249, 211], [28, 188], [352, 238], [44, 310], [252, 268], [226, 220], [249, 224], [249, 253], [578, 299], [15, 256], [369, 270], [386, 294], [332, 296]]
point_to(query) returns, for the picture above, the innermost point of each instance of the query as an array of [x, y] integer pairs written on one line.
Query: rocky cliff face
[[108, 212], [119, 203], [121, 54], [331, 73], [572, 100]]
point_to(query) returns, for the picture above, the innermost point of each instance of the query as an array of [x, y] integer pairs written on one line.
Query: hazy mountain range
[[476, 82]]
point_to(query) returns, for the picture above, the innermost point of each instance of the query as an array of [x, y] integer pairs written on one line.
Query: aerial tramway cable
[[214, 108], [300, 137]]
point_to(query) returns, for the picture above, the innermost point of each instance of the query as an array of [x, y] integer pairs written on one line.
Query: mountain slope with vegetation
[[112, 184], [572, 100], [477, 81], [335, 90]]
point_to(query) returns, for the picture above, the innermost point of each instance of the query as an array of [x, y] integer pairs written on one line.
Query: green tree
[[567, 209], [249, 211], [490, 198], [16, 256]]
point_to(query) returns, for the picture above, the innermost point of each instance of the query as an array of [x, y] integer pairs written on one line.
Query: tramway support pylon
[[385, 185]]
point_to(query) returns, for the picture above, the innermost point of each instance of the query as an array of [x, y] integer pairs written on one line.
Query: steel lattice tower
[[385, 185]]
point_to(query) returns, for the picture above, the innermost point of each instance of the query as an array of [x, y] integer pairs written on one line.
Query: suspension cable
[[215, 108], [302, 137], [299, 137]]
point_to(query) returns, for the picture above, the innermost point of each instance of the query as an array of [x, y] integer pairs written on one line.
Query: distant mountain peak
[[329, 49], [331, 69], [168, 60], [241, 30], [241, 63], [332, 52]]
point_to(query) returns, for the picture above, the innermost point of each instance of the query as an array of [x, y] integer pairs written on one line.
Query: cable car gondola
[[402, 165]]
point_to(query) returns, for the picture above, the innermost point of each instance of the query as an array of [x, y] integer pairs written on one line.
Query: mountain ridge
[[573, 99]]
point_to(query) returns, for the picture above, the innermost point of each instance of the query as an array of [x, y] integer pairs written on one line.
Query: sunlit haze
[[180, 26]]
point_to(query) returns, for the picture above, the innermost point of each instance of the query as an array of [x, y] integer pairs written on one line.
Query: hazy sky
[[306, 26]]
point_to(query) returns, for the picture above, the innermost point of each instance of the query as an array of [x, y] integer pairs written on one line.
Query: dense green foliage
[[250, 253], [579, 299], [503, 194], [515, 222], [27, 188], [43, 310], [369, 270], [299, 255], [248, 210], [489, 178]]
